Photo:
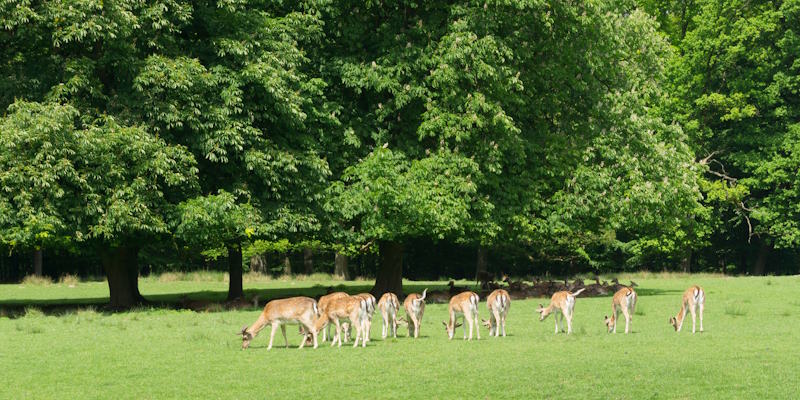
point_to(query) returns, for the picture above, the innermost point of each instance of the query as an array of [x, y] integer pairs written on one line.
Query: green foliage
[[102, 181], [216, 220]]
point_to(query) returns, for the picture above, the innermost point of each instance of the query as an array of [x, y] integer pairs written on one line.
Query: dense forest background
[[398, 138]]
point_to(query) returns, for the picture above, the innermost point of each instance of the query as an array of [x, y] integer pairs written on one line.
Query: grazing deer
[[498, 303], [465, 304], [351, 307], [415, 307], [371, 303], [693, 298], [562, 303], [390, 307], [624, 300], [323, 303], [278, 313]]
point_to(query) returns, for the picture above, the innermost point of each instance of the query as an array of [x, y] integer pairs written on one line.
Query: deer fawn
[[323, 303], [693, 298], [279, 312], [562, 303], [389, 306], [465, 304], [415, 307], [624, 300], [498, 303], [352, 308]]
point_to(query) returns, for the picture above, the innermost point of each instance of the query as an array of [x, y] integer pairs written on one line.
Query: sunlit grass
[[748, 350]]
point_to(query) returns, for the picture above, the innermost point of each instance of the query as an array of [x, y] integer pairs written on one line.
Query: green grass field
[[749, 348]]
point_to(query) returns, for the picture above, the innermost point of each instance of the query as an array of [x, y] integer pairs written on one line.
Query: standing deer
[[371, 303], [277, 313], [389, 306], [693, 298], [465, 304], [498, 303], [323, 303], [351, 307], [415, 307], [624, 300], [562, 303]]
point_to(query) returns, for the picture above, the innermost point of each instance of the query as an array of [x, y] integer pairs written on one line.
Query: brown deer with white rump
[[278, 313], [465, 304], [371, 304], [389, 306], [694, 298], [624, 300], [351, 307], [498, 303], [415, 307], [562, 303]]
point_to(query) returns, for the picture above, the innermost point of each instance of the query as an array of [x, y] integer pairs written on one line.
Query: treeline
[[401, 138]]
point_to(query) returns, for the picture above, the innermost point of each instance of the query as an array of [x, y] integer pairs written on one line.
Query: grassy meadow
[[748, 350]]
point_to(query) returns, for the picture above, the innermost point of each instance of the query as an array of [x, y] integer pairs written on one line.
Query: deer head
[[609, 321], [451, 329], [543, 312], [247, 337], [674, 322]]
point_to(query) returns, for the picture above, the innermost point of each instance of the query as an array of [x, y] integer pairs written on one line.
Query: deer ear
[[244, 330], [444, 323], [458, 324]]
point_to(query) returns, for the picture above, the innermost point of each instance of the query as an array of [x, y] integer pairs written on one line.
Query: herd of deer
[[314, 316]]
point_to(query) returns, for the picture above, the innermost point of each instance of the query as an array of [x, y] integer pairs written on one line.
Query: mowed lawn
[[749, 349]]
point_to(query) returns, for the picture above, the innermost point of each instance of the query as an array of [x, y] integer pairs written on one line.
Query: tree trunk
[[340, 269], [390, 271], [121, 265], [686, 262], [287, 265], [37, 262], [235, 289], [480, 263], [761, 259], [308, 260]]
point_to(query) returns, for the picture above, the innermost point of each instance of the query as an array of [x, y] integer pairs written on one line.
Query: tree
[[217, 221], [734, 90], [387, 199], [100, 183]]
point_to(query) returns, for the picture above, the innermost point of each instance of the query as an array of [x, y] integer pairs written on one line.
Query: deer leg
[[272, 334], [477, 322], [385, 324], [555, 317], [285, 339], [694, 316], [496, 317], [503, 321], [569, 322], [701, 305], [627, 315]]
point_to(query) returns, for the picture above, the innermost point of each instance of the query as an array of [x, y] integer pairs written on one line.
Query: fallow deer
[[624, 300], [390, 307], [278, 313], [323, 303], [371, 304], [694, 298], [415, 307], [498, 303], [351, 307], [562, 303], [465, 304]]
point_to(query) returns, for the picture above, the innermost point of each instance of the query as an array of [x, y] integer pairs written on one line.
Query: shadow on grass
[[200, 301], [215, 300]]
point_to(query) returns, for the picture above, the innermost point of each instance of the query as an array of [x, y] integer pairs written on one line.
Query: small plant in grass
[[35, 280], [735, 310], [786, 313]]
